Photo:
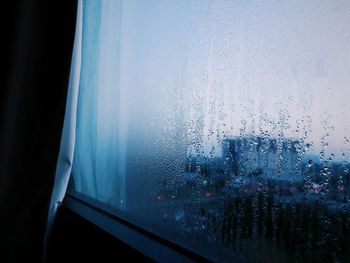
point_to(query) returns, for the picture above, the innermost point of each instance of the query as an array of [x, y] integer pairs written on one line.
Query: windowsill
[[149, 244]]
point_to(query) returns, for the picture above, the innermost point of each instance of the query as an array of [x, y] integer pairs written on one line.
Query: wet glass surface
[[223, 126]]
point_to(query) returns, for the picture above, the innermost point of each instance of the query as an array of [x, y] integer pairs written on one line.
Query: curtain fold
[[65, 158]]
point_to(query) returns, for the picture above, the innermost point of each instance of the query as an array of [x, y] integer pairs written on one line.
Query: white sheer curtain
[[91, 110], [100, 107], [65, 158]]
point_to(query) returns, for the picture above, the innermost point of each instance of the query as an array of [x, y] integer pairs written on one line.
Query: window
[[220, 126]]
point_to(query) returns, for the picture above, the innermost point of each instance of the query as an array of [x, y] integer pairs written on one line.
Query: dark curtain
[[38, 37]]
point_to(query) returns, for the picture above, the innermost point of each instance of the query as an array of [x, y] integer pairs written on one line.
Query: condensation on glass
[[223, 126]]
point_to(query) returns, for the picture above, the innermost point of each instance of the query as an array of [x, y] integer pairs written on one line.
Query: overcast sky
[[204, 69]]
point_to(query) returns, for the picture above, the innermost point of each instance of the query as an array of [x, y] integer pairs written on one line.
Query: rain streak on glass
[[222, 126]]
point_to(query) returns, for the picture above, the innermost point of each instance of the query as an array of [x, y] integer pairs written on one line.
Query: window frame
[[151, 245]]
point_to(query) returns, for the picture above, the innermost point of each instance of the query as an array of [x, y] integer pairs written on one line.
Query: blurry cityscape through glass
[[222, 126]]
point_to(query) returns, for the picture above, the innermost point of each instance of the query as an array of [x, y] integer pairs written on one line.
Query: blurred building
[[254, 156]]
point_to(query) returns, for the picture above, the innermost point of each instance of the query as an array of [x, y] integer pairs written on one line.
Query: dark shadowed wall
[[38, 39]]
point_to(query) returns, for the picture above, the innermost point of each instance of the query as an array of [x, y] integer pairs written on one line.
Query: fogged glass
[[223, 126]]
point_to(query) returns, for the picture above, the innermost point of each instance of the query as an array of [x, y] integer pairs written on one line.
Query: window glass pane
[[223, 126]]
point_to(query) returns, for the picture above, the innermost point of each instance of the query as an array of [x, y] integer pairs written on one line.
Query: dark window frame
[[144, 241]]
